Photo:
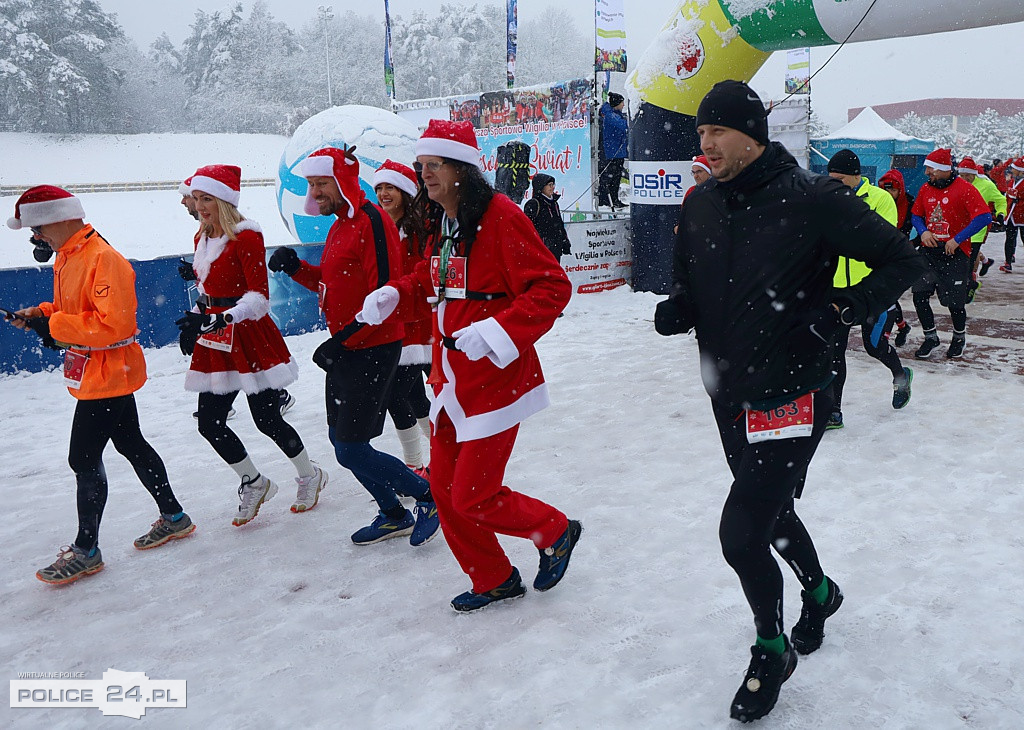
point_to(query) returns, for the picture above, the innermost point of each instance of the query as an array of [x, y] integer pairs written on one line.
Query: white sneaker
[[253, 494], [308, 493]]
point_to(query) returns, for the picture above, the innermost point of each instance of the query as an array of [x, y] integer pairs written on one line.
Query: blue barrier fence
[[162, 296]]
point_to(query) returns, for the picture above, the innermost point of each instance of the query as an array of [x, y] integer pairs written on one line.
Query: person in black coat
[[543, 210], [754, 259]]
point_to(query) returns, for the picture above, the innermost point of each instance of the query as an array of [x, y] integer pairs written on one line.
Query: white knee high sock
[[410, 439]]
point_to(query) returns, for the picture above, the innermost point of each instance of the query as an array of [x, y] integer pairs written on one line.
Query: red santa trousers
[[474, 506]]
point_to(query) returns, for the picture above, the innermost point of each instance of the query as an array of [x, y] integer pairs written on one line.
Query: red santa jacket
[[947, 211], [353, 265], [419, 334], [1015, 203], [517, 290]]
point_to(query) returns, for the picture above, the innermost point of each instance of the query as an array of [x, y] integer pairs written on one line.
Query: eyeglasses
[[888, 186], [36, 230], [433, 165]]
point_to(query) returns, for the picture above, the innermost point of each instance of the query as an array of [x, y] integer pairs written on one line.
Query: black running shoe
[[470, 601], [760, 689], [925, 350], [901, 335], [901, 389], [956, 348], [985, 267], [808, 632]]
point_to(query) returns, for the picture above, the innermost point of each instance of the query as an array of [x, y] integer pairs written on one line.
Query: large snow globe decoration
[[377, 135]]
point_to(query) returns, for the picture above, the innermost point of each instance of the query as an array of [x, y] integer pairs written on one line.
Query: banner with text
[[554, 120], [610, 35], [798, 71], [601, 257]]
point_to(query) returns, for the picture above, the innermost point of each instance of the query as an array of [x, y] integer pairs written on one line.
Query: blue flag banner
[[512, 16], [389, 68]]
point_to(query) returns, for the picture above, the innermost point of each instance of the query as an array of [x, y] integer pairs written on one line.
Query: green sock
[[821, 592], [774, 646]]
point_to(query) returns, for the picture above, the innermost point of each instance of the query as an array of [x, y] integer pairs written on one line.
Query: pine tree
[[553, 48], [988, 137]]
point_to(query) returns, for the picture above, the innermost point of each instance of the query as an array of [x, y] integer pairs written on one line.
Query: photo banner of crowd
[[552, 120]]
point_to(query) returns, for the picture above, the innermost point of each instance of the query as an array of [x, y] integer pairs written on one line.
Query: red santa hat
[[968, 165], [454, 140], [397, 174], [940, 159], [220, 181], [342, 165], [45, 204], [1018, 164], [184, 189], [702, 161]]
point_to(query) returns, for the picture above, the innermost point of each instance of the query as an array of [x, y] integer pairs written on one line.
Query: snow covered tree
[[1014, 135], [988, 137], [553, 48], [53, 76], [816, 127], [206, 53]]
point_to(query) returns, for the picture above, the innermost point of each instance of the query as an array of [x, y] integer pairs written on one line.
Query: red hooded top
[[902, 201]]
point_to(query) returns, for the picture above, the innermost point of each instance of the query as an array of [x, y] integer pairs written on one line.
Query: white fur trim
[[208, 250], [415, 355], [702, 166], [438, 147], [1015, 166], [215, 188], [971, 170], [46, 212], [276, 378], [937, 166], [392, 177], [251, 305], [322, 166], [184, 190], [248, 225], [503, 349]]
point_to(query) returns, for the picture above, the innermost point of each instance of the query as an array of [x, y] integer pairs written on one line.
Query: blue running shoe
[[555, 559], [427, 524], [383, 528], [835, 420], [470, 601]]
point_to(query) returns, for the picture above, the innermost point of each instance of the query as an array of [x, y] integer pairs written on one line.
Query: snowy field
[[285, 623]]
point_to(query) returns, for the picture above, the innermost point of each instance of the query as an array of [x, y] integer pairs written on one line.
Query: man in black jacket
[[754, 260]]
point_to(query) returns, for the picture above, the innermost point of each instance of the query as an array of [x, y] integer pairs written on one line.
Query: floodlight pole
[[326, 15]]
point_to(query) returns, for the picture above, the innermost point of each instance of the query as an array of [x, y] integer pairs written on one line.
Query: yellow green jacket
[[851, 271], [995, 199]]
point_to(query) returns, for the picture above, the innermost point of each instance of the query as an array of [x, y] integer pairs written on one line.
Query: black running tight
[[957, 313], [759, 513], [875, 336], [265, 407], [96, 423]]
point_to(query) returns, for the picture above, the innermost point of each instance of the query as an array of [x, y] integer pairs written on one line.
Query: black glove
[[1000, 219], [189, 331], [851, 311], [41, 250], [566, 250], [327, 354], [41, 326], [187, 341], [670, 317], [185, 270], [286, 260]]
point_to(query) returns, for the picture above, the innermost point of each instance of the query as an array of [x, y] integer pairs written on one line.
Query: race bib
[[222, 340], [790, 420], [455, 286], [74, 368]]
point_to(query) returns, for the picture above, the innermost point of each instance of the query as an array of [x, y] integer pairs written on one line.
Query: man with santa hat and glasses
[[92, 317], [1014, 212]]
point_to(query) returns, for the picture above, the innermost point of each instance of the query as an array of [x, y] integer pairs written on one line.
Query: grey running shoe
[[308, 493], [164, 530], [72, 563], [253, 493]]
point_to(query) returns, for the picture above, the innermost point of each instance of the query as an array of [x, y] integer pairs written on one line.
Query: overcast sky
[[970, 63]]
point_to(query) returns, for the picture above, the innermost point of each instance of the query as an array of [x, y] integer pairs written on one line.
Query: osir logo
[[660, 183]]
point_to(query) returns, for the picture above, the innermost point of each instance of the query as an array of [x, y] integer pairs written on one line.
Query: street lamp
[[326, 15]]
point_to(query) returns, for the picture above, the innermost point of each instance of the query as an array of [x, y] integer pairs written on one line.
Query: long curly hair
[[475, 195]]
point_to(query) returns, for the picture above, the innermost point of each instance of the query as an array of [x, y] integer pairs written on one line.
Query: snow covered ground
[[285, 623]]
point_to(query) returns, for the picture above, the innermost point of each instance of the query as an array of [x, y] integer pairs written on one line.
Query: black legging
[[609, 180], [408, 401], [115, 420], [875, 336], [265, 407], [957, 313], [759, 512], [1010, 245]]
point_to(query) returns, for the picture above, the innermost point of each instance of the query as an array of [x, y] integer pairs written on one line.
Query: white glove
[[471, 342], [378, 305]]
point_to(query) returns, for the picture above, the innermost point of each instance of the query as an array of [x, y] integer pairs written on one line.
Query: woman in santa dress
[[235, 346]]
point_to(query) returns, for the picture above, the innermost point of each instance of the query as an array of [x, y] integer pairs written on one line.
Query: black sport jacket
[[753, 267]]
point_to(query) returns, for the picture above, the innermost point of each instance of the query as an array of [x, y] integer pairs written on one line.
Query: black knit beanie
[[735, 105], [845, 162], [615, 99]]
